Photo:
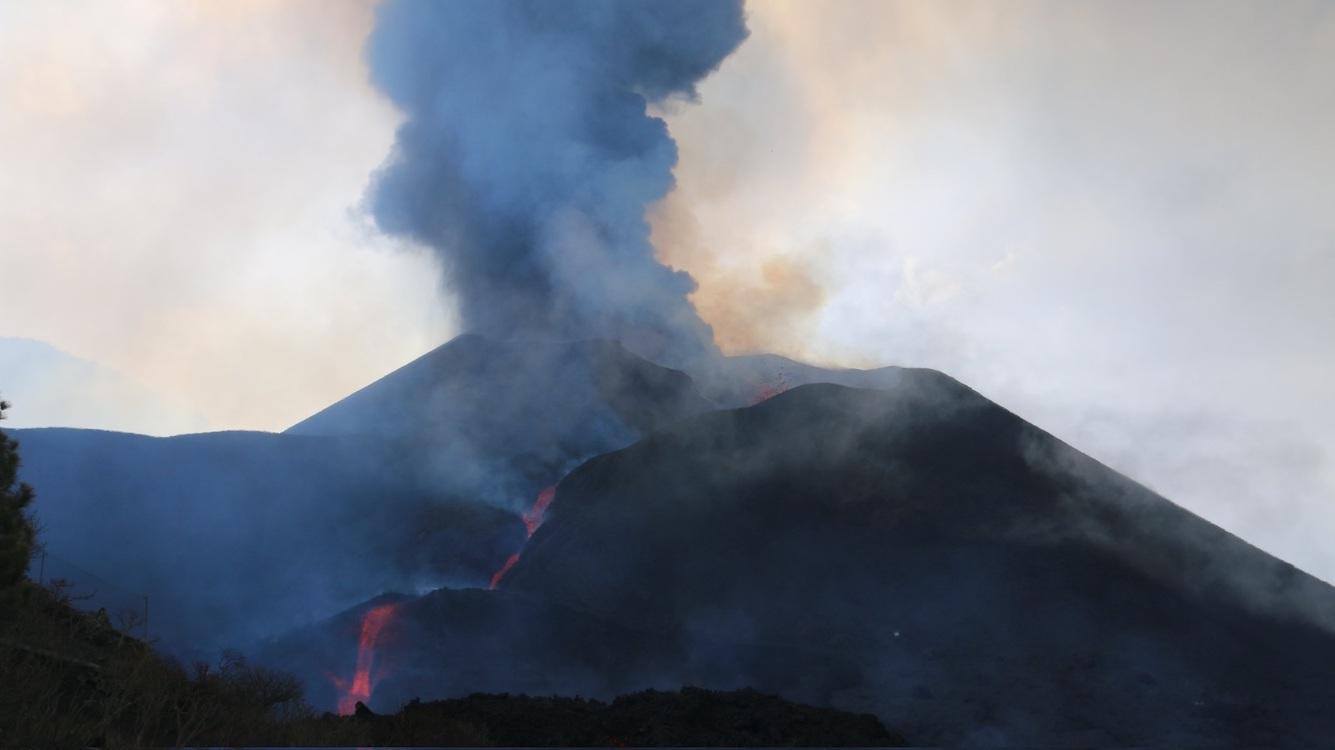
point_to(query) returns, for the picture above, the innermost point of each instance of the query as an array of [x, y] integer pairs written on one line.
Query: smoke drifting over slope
[[527, 159]]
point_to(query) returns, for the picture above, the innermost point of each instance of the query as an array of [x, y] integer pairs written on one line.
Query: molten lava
[[778, 383], [533, 518], [500, 573], [359, 689]]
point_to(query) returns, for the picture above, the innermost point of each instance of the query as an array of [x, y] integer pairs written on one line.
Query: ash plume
[[528, 157]]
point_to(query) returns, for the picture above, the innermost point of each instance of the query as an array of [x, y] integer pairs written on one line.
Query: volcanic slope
[[507, 418], [966, 576], [748, 379], [455, 642], [411, 483], [237, 535]]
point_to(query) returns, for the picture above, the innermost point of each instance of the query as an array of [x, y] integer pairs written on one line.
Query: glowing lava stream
[[373, 622], [766, 391], [533, 518]]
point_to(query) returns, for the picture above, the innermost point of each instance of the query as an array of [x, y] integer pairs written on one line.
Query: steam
[[528, 158]]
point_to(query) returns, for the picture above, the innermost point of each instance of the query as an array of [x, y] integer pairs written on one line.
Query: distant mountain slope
[[237, 535], [50, 388]]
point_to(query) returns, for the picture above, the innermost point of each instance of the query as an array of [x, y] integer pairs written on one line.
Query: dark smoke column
[[528, 158]]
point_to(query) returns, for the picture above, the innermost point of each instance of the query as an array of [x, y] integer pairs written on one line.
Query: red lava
[[533, 518], [373, 622]]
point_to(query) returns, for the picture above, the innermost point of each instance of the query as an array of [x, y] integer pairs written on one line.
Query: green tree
[[17, 536]]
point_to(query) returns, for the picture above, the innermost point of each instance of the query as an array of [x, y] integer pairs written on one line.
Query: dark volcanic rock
[[951, 550], [452, 643], [690, 717], [917, 553], [748, 379]]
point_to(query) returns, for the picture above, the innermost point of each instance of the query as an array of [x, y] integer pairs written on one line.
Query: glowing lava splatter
[[766, 390], [535, 515], [500, 572], [359, 689], [533, 518]]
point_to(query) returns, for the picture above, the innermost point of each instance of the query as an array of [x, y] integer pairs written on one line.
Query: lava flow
[[767, 390], [533, 518], [359, 690]]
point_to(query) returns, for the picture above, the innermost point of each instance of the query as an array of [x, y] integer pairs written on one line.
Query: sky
[[1110, 217]]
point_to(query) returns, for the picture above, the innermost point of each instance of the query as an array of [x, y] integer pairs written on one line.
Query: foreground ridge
[[690, 717]]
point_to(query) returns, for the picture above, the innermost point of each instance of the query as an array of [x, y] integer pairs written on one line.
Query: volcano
[[419, 480], [916, 552], [478, 409], [884, 541], [964, 572]]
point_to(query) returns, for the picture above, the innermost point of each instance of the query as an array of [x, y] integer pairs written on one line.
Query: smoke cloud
[[1109, 217], [528, 157]]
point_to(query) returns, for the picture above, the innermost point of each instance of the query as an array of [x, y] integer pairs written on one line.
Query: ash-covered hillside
[[415, 482], [506, 418], [918, 553], [985, 580]]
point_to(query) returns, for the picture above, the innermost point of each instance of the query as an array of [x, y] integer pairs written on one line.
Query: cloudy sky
[[1111, 217]]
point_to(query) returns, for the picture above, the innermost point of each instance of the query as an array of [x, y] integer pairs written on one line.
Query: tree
[[17, 536]]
